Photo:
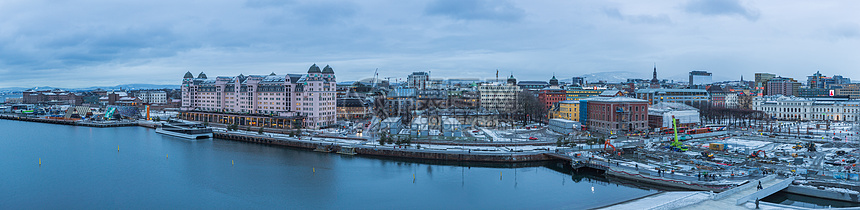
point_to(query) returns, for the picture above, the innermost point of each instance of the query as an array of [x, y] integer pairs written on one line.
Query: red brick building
[[553, 94], [617, 115], [548, 96], [52, 97]]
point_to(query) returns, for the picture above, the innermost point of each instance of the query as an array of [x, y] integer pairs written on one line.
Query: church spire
[[655, 72], [654, 82]]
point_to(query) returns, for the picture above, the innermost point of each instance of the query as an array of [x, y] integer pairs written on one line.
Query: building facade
[[797, 108], [568, 110], [691, 97], [576, 93], [732, 100], [51, 97], [617, 115], [499, 97], [782, 86], [310, 96], [700, 78], [418, 80], [352, 108], [851, 90], [549, 96], [152, 97]]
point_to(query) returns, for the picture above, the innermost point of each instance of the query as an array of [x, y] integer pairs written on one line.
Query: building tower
[[512, 80], [654, 82]]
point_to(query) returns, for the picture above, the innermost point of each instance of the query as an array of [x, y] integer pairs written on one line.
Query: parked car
[[613, 137], [533, 138]]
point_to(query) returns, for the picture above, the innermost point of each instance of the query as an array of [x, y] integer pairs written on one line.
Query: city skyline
[[102, 43]]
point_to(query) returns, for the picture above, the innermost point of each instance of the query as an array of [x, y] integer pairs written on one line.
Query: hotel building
[[265, 101]]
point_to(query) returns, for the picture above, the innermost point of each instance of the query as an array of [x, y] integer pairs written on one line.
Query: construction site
[[820, 158]]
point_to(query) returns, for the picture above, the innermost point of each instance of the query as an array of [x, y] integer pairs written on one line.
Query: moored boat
[[187, 130]]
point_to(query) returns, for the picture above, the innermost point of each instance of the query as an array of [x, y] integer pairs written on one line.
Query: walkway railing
[[766, 191], [748, 185], [678, 202]]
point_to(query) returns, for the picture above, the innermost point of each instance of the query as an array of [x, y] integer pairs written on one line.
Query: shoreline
[[356, 149], [390, 151]]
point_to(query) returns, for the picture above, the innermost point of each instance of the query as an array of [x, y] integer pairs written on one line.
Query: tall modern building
[[499, 97], [818, 80], [271, 100], [418, 80], [580, 81], [693, 97], [761, 81], [699, 79], [782, 86]]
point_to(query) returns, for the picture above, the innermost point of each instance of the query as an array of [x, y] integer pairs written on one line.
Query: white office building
[[796, 108]]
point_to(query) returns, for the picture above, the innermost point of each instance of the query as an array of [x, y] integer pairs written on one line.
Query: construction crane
[[607, 143], [375, 77], [677, 145]]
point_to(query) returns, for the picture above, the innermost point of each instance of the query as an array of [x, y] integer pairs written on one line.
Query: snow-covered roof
[[668, 107], [614, 99]]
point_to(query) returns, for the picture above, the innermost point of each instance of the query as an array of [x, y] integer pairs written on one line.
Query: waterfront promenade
[[739, 197], [359, 147], [98, 124]]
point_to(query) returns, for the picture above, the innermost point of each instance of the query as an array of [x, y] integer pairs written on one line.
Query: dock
[[388, 151], [96, 124], [743, 196]]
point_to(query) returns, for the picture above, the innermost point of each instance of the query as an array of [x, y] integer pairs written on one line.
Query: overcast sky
[[66, 43]]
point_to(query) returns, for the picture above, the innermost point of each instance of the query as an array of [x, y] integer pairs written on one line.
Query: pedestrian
[[759, 186]]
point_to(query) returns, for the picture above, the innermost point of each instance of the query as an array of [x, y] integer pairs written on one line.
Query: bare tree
[[528, 108]]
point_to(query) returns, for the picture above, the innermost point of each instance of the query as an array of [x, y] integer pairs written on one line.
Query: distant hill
[[622, 76], [117, 87], [614, 76]]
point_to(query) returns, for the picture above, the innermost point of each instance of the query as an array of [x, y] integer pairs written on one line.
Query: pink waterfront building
[[310, 96]]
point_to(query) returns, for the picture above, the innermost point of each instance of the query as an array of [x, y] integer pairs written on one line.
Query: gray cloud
[[475, 10], [846, 31], [646, 19], [266, 3], [103, 42], [721, 7]]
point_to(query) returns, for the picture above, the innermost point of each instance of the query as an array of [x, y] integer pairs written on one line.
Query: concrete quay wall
[[665, 181], [392, 151], [813, 192], [68, 122]]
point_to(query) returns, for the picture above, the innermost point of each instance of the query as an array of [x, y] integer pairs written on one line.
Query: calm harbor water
[[81, 168]]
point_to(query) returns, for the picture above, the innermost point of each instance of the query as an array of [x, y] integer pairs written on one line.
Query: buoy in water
[[40, 161], [314, 169]]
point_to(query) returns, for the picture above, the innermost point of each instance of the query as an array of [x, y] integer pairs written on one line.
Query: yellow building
[[577, 93], [568, 110]]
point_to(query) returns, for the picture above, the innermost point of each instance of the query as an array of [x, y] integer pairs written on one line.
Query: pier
[[96, 124], [359, 148], [743, 196]]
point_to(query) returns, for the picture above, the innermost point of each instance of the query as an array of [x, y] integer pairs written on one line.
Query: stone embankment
[[97, 124], [387, 151]]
